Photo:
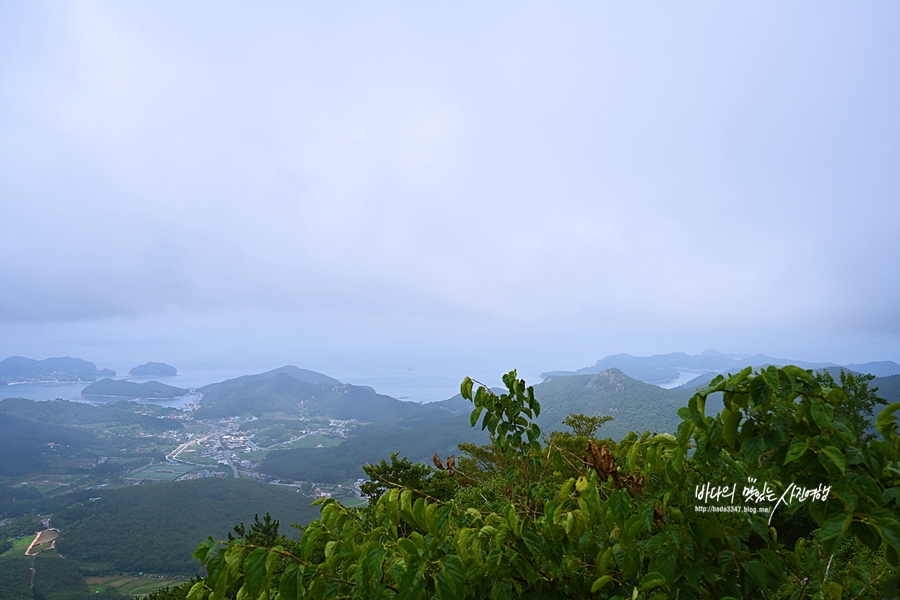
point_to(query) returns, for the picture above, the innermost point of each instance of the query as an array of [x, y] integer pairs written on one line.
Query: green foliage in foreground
[[627, 526]]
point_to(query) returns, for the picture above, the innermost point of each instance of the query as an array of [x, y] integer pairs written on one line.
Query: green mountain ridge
[[67, 413], [634, 405], [417, 437], [129, 389], [16, 369], [664, 368], [292, 392], [23, 443]]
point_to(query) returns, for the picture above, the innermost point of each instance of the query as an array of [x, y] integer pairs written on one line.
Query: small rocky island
[[153, 369]]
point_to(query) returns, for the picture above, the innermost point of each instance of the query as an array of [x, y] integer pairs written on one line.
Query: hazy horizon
[[458, 189]]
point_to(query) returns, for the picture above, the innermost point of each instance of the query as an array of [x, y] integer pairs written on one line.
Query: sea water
[[408, 384]]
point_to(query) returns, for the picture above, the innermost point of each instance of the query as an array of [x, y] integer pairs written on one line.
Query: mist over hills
[[661, 369], [18, 369]]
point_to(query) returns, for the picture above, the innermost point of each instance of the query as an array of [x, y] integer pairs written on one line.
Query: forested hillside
[[888, 388], [24, 444], [294, 392], [417, 437], [101, 416], [634, 405], [156, 528], [46, 578], [129, 389]]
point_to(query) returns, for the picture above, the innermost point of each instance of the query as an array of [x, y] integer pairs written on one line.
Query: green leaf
[[534, 542], [371, 564], [392, 504], [310, 536], [731, 419], [632, 456], [455, 574], [197, 591], [255, 571], [290, 584], [473, 418], [233, 556], [204, 550], [600, 582], [890, 495], [465, 388], [886, 423], [725, 557], [822, 414], [798, 447], [406, 506], [834, 590], [835, 456], [890, 531], [566, 490], [652, 580], [215, 568], [832, 531], [419, 510], [756, 573]]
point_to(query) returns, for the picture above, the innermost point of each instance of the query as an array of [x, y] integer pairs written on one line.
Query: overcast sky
[[510, 183]]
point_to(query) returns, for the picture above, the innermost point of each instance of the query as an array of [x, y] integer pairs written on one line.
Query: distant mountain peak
[[681, 368], [18, 369]]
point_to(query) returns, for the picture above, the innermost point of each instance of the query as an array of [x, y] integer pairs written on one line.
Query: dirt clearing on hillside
[[43, 541]]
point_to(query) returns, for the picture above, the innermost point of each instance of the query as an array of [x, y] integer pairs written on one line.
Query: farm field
[[46, 488], [162, 472], [19, 547], [313, 440], [131, 585], [309, 441], [352, 502]]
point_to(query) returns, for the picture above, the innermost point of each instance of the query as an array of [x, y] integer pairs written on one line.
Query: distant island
[[129, 389], [18, 369], [694, 370], [154, 369]]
